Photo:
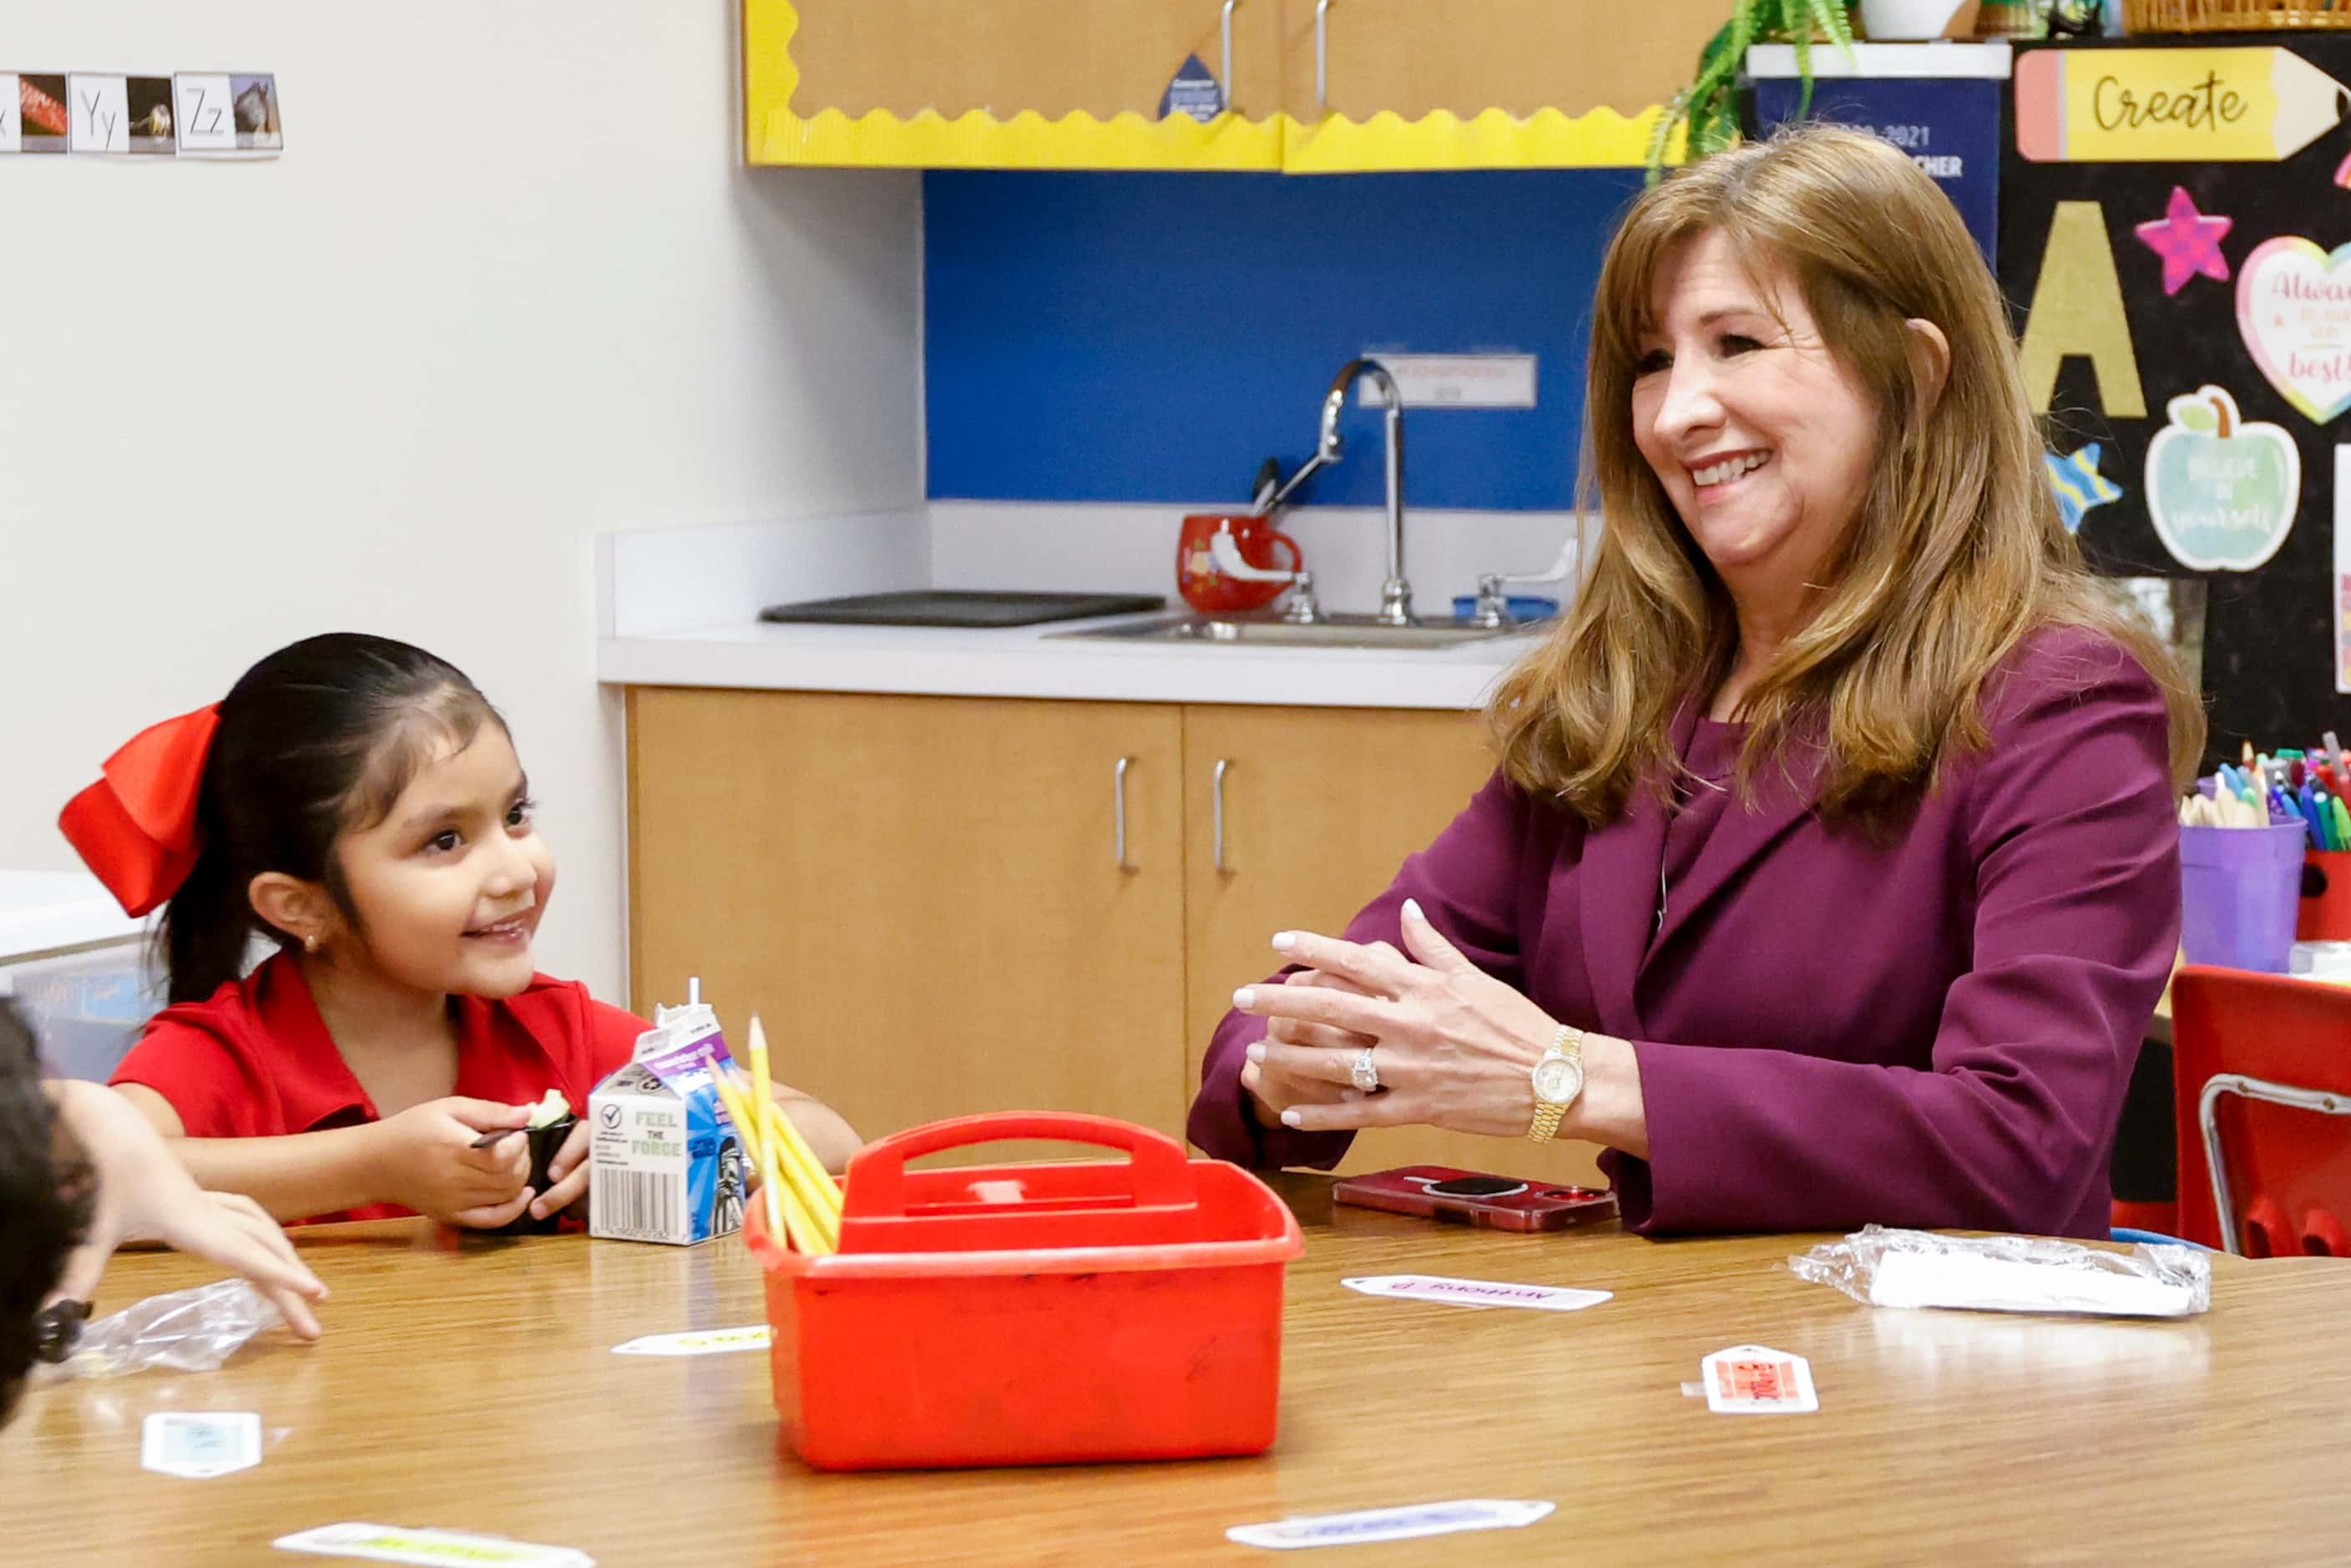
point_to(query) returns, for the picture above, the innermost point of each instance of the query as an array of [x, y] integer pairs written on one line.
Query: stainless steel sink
[[1269, 632]]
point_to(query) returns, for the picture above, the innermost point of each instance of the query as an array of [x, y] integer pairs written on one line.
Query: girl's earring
[[310, 943]]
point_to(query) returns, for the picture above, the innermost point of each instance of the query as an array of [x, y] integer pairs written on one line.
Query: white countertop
[[680, 607], [54, 911], [1029, 662]]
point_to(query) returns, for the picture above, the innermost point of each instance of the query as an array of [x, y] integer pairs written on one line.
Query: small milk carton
[[667, 1163]]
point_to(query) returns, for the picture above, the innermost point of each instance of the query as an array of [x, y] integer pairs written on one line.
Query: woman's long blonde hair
[[1956, 555]]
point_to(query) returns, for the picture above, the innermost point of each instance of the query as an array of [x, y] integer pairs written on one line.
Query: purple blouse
[[1930, 1029]]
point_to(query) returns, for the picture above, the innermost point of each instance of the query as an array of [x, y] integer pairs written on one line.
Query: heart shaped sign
[[2293, 307]]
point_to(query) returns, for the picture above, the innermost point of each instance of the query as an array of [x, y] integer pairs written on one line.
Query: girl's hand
[[827, 1133], [1272, 1089], [144, 1194], [567, 1175], [428, 1154], [1454, 1047]]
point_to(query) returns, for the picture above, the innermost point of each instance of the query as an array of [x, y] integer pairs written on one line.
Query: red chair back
[[2288, 1168]]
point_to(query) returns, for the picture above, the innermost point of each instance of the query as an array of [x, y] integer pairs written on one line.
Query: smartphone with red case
[[1473, 1197]]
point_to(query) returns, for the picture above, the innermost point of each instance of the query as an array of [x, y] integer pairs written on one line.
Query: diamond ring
[[1363, 1074]]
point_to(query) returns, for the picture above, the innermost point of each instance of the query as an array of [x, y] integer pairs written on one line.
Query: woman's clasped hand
[[1451, 1046]]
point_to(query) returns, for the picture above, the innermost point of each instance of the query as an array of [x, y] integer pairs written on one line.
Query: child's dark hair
[[318, 738], [45, 1194]]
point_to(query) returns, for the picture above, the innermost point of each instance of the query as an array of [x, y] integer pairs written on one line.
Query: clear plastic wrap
[[187, 1331], [2009, 1274]]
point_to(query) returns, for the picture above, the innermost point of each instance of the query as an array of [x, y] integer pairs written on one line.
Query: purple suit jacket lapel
[[1622, 862], [1743, 831], [1618, 906]]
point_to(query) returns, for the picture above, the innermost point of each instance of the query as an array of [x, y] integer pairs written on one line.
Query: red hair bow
[[136, 827]]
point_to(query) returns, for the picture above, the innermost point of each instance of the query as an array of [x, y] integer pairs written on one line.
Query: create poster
[[2176, 240]]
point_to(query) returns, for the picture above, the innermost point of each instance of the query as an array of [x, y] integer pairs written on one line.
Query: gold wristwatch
[[1559, 1078]]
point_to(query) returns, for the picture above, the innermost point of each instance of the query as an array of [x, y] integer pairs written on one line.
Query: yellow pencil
[[818, 1193], [738, 1108], [808, 1233], [739, 1111], [770, 1175], [800, 1159]]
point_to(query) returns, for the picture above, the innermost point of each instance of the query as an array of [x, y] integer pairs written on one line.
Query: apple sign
[[2221, 492]]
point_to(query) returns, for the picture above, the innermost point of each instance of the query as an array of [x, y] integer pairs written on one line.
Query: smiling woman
[[1830, 873], [359, 803]]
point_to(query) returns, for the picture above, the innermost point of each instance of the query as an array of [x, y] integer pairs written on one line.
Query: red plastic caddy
[[1033, 1315]]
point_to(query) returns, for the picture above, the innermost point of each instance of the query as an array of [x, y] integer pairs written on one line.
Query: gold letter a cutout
[[2077, 309]]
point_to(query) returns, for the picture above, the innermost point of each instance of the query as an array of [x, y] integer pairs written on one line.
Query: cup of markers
[[2313, 785], [2253, 841]]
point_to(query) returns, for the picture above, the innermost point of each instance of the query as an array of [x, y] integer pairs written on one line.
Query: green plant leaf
[[1836, 17], [1694, 104], [1733, 66]]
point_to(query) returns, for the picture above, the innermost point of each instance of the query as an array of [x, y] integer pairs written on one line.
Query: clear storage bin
[[78, 967]]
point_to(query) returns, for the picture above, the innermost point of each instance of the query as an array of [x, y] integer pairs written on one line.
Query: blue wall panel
[[1153, 337]]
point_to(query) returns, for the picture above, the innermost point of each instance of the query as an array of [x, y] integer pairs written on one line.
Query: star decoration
[[2079, 485], [2189, 242]]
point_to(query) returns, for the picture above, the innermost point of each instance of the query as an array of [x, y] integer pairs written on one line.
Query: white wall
[[506, 289]]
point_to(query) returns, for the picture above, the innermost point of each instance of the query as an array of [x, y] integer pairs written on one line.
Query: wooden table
[[472, 1388]]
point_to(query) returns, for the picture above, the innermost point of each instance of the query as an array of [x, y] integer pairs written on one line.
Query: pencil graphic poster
[[2244, 358], [2248, 104]]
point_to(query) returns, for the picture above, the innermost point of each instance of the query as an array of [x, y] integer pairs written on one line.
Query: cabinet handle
[[1227, 24], [1322, 56], [1118, 811], [1216, 812]]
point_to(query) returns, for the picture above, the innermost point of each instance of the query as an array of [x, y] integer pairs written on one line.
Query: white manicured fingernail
[[1412, 907], [1244, 998], [1256, 1051], [1283, 941], [1291, 1118]]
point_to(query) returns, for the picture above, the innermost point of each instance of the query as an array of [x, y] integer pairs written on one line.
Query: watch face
[[1557, 1080]]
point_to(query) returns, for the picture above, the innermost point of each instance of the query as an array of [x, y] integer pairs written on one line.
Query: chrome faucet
[[1395, 593], [1492, 609]]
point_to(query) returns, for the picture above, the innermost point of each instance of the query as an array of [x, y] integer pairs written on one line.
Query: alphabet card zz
[[225, 114]]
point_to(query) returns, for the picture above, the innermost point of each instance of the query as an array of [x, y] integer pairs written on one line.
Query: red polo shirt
[[255, 1061]]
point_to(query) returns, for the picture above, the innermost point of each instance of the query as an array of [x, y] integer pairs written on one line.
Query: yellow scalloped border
[[1494, 139], [1549, 139], [1026, 140]]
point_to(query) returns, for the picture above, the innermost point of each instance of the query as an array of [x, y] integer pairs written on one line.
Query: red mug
[[1206, 587]]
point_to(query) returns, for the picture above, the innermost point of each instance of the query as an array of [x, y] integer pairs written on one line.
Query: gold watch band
[[1568, 1043]]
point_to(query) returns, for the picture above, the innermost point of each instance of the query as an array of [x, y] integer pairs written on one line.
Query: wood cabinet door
[[1320, 808], [1001, 57], [1413, 57], [920, 895]]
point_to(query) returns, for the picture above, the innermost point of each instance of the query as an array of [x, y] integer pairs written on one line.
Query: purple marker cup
[[2240, 889]]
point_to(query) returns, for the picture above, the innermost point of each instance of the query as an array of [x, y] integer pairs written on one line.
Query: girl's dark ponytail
[[317, 738], [207, 928]]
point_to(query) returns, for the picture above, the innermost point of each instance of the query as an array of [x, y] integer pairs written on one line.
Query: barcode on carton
[[640, 1205]]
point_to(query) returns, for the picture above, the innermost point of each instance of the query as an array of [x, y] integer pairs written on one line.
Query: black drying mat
[[961, 607]]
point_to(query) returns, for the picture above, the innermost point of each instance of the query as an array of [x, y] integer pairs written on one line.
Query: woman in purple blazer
[[1830, 873]]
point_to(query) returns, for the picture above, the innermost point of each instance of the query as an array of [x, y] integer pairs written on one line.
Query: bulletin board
[[2174, 220]]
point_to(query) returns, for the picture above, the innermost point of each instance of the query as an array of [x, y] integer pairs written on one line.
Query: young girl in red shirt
[[358, 803]]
